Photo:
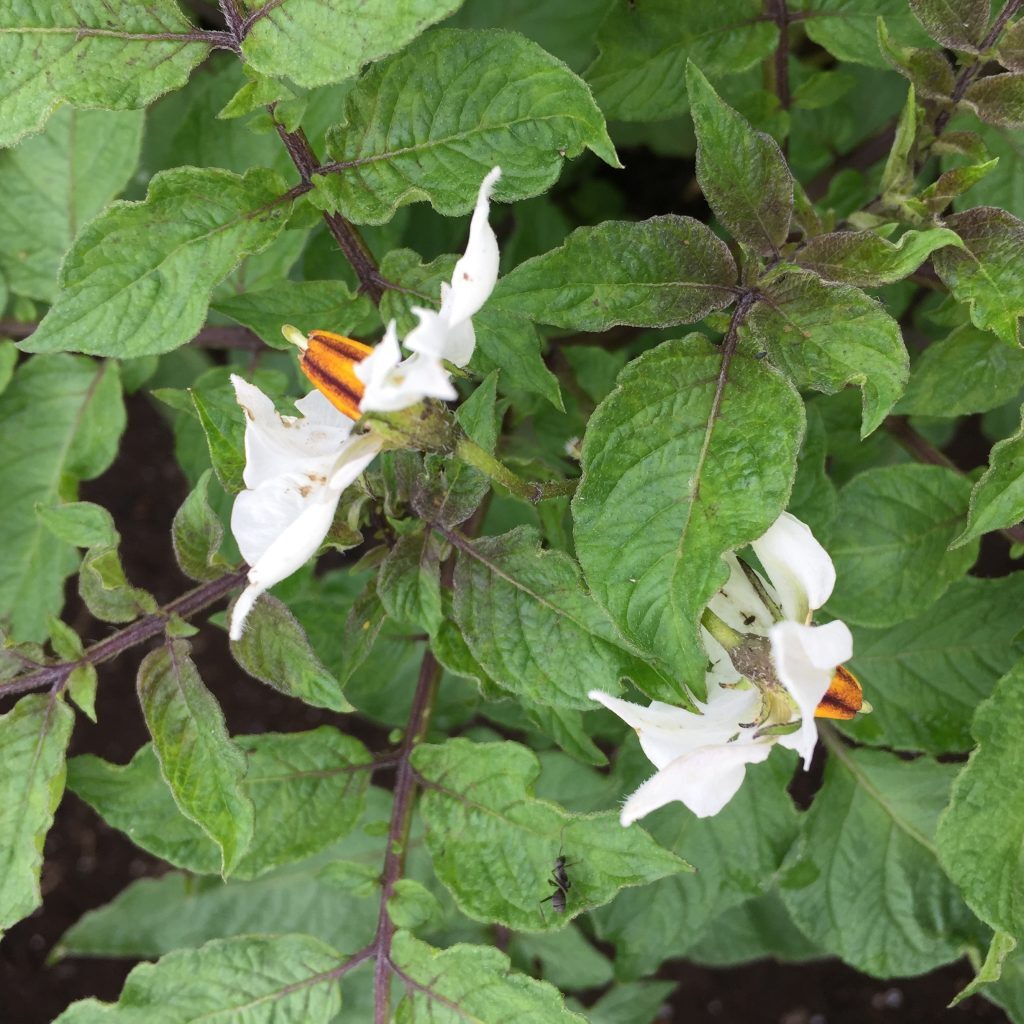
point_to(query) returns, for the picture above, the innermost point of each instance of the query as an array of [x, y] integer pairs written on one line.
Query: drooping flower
[[358, 379], [296, 468], [778, 673]]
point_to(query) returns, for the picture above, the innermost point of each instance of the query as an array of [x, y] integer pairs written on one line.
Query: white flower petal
[[317, 410], [798, 566], [738, 604], [289, 551], [705, 780], [805, 660], [476, 273], [354, 458]]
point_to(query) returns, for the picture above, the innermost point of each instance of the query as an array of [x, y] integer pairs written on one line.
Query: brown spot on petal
[[844, 697]]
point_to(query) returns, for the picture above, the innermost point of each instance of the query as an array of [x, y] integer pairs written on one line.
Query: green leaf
[[409, 583], [980, 837], [105, 589], [926, 676], [8, 350], [664, 271], [991, 970], [275, 649], [479, 800], [814, 498], [847, 28], [33, 737], [412, 905], [301, 41], [327, 305], [998, 99], [997, 500], [153, 916], [742, 172], [828, 336], [985, 274], [56, 182], [969, 371], [900, 168], [640, 72], [197, 534], [199, 762], [929, 71], [658, 504], [863, 881], [255, 979], [566, 959], [736, 854], [432, 121], [890, 540], [61, 419], [470, 983], [637, 1002], [138, 278], [503, 342], [93, 53], [81, 523], [958, 24], [81, 686], [866, 259], [308, 790], [530, 624]]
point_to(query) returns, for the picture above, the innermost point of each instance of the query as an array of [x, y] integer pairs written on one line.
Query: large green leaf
[[926, 676], [56, 182], [200, 764], [253, 979], [138, 278], [890, 540], [479, 802], [863, 881], [470, 983], [431, 122], [985, 274], [93, 53], [640, 74], [958, 24], [664, 271], [997, 500], [742, 172], [969, 371], [33, 737], [661, 501], [530, 624], [736, 854], [61, 418], [827, 336], [301, 40], [848, 28], [981, 836], [307, 788]]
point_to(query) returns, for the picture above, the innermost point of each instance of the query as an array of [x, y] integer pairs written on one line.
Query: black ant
[[560, 881]]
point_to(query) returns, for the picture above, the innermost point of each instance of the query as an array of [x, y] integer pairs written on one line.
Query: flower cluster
[[771, 674], [297, 467]]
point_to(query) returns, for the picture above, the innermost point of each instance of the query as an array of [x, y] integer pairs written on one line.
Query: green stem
[[723, 633], [473, 455]]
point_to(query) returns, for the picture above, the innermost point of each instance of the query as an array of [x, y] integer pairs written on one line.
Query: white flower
[[448, 334], [392, 383], [702, 756], [296, 469]]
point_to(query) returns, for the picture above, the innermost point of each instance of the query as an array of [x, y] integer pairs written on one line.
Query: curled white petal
[[738, 604], [393, 383], [705, 780], [799, 567], [476, 273], [805, 660]]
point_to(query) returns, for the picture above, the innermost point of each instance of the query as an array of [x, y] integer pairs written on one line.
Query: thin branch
[[924, 451], [472, 454], [233, 19], [138, 632], [398, 830], [780, 14]]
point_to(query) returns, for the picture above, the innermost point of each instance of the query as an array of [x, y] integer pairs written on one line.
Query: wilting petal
[[738, 604], [393, 384], [437, 336], [798, 566], [476, 273], [805, 660], [705, 780]]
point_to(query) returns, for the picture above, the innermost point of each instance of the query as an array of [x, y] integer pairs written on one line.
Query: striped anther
[[844, 697], [329, 362]]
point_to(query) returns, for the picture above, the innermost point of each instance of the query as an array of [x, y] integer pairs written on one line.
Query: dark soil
[[87, 863]]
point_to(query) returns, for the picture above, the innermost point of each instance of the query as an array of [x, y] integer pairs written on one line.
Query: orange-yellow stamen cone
[[844, 697], [329, 361]]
